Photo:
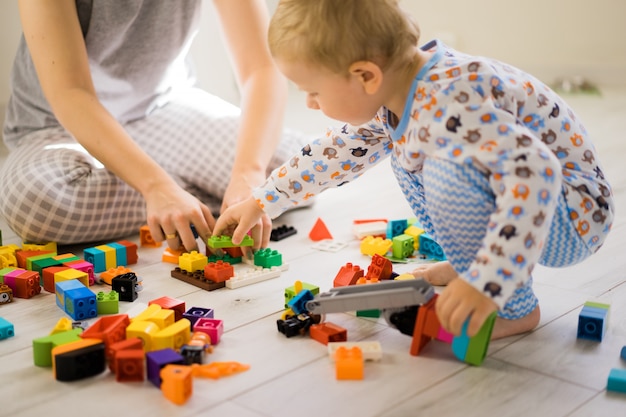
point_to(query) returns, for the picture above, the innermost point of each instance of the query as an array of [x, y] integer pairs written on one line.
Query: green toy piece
[[218, 242]]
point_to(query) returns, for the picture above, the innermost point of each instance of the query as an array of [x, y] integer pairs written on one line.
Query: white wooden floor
[[545, 373]]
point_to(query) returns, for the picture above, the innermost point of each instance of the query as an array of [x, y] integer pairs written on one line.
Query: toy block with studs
[[79, 359], [130, 365], [268, 258], [617, 380], [170, 303], [291, 292], [146, 239], [282, 232], [109, 329], [371, 350], [348, 275], [349, 363], [195, 313], [126, 286], [192, 261], [592, 321], [219, 271], [371, 246], [220, 242], [107, 303], [125, 344], [42, 347], [6, 329], [197, 279], [213, 327]]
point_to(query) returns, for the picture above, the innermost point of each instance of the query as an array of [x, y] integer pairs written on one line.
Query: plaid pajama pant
[[54, 191]]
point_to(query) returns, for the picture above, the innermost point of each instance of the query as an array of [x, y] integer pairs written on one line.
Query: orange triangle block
[[319, 231]]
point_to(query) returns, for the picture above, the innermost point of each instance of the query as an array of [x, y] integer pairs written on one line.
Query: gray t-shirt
[[138, 54]]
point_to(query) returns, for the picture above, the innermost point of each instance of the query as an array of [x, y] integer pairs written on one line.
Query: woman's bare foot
[[438, 273], [504, 328]]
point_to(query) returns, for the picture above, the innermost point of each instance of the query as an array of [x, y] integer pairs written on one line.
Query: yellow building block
[[110, 256], [162, 317], [145, 330], [173, 336], [50, 246], [192, 261], [371, 246], [72, 273], [415, 232]]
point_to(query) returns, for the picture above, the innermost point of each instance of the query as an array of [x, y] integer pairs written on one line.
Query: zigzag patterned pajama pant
[[53, 190], [453, 204]]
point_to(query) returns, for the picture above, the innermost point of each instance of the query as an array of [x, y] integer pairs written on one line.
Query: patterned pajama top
[[493, 117]]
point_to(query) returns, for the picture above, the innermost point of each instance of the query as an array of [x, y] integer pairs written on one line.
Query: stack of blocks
[[111, 255]]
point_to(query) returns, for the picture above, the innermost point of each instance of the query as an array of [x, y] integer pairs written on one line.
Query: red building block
[[219, 271], [48, 277], [126, 344], [171, 304], [427, 327], [109, 329], [130, 365], [380, 268], [23, 283], [328, 332], [348, 275], [23, 255], [131, 251]]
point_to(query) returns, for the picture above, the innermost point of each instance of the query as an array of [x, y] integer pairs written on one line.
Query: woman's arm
[[53, 34], [263, 93]]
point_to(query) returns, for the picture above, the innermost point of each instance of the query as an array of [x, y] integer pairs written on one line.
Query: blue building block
[[195, 313], [97, 258], [298, 303], [78, 301], [6, 329], [623, 353], [429, 247], [617, 380], [396, 227], [592, 323]]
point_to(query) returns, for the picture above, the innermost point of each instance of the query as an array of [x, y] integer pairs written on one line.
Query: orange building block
[[171, 304], [348, 275], [319, 231], [219, 271], [177, 383], [130, 365], [380, 268], [48, 277], [115, 348], [427, 326], [146, 239], [349, 363], [109, 329], [328, 332], [108, 275]]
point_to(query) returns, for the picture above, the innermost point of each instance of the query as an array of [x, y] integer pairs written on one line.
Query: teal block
[[6, 329], [617, 380], [97, 258], [120, 254]]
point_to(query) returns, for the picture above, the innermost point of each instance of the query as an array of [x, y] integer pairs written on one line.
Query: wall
[[552, 39]]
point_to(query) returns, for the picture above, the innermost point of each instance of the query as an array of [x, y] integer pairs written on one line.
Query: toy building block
[[379, 268], [219, 242], [617, 380], [592, 321], [157, 360], [349, 363], [40, 256], [473, 350], [146, 239], [47, 276], [38, 265], [282, 232], [66, 257], [23, 283], [42, 347], [83, 266], [253, 276], [219, 271], [329, 245], [110, 256], [298, 303], [623, 353], [6, 329], [71, 274], [296, 325], [6, 294], [319, 231], [428, 247], [23, 257], [291, 292], [76, 300], [415, 232], [427, 326], [348, 275], [371, 246], [328, 332], [177, 383], [96, 257], [107, 303], [109, 329], [129, 365], [226, 257], [374, 227], [216, 370], [120, 253], [396, 227], [108, 275], [195, 313], [192, 261], [78, 360], [171, 256], [131, 251], [126, 344], [197, 279], [213, 327], [372, 351], [402, 246], [126, 286], [49, 246], [267, 258], [173, 336], [169, 303], [144, 330], [7, 258]]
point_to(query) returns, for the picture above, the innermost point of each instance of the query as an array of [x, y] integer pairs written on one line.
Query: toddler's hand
[[242, 217], [439, 273], [460, 301]]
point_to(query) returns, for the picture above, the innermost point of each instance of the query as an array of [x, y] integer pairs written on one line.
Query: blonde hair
[[337, 33]]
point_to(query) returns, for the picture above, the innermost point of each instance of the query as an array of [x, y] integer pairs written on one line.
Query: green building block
[[42, 347], [473, 350], [108, 303], [402, 246], [268, 258], [37, 258], [226, 258], [375, 313], [218, 242], [290, 292]]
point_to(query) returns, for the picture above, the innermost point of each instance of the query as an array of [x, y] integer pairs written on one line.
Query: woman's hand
[[171, 213]]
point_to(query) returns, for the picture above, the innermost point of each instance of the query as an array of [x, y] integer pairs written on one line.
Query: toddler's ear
[[368, 74]]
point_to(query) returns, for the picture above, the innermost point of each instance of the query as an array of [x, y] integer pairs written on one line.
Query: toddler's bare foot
[[439, 273], [504, 328]]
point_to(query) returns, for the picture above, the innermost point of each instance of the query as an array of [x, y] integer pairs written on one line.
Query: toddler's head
[[336, 33]]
